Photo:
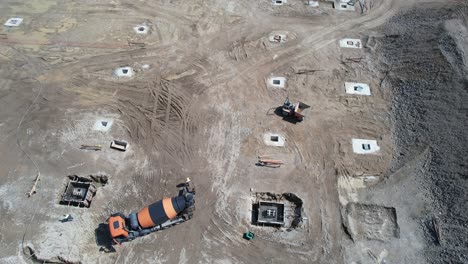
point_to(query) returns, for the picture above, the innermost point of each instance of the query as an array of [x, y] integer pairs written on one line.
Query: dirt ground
[[198, 105]]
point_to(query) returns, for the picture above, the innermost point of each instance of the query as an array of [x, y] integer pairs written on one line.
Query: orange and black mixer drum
[[161, 211]]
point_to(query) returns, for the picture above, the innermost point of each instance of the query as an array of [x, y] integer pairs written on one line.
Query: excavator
[[157, 216], [299, 110]]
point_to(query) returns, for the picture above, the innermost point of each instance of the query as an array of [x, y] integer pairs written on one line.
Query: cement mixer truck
[[157, 216]]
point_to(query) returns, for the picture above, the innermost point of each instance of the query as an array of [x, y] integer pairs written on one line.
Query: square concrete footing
[[13, 22], [279, 2], [357, 88], [345, 5], [103, 124], [125, 72], [350, 43], [365, 146], [277, 82], [273, 139]]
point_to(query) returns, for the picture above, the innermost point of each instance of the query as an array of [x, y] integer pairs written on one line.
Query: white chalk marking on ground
[[365, 146], [357, 88], [350, 43], [13, 22]]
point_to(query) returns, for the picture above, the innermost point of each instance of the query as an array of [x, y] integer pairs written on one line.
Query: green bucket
[[249, 235]]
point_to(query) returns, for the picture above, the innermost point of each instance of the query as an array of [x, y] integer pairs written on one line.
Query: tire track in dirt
[[163, 121], [262, 66], [325, 37], [167, 15], [164, 118]]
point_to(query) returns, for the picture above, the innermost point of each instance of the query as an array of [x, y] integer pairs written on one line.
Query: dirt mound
[[426, 67]]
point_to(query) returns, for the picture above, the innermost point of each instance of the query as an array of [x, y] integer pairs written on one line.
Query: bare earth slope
[[424, 52]]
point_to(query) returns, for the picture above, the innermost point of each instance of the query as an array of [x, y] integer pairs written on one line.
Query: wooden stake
[[33, 189]]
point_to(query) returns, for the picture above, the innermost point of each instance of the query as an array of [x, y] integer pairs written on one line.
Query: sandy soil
[[198, 106]]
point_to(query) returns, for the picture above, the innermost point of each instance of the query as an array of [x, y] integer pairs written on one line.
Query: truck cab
[[117, 227]]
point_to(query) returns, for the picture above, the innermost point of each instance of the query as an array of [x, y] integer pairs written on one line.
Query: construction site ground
[[198, 105]]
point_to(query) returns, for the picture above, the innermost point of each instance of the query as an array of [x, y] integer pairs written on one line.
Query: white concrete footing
[[103, 124], [279, 2], [365, 146], [357, 88], [273, 139], [350, 43], [312, 3], [141, 29], [124, 72], [344, 5], [277, 37], [13, 22], [277, 82]]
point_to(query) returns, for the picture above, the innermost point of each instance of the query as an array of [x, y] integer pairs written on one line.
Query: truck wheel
[[187, 216]]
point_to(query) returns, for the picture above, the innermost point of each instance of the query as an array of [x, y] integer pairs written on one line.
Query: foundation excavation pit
[[78, 192], [277, 210]]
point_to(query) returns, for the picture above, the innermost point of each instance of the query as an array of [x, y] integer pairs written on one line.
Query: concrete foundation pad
[[279, 2], [125, 72], [357, 88], [103, 124], [270, 213], [344, 5], [365, 146], [273, 139], [13, 22], [277, 82], [312, 3], [141, 29], [371, 221], [277, 37], [350, 43]]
